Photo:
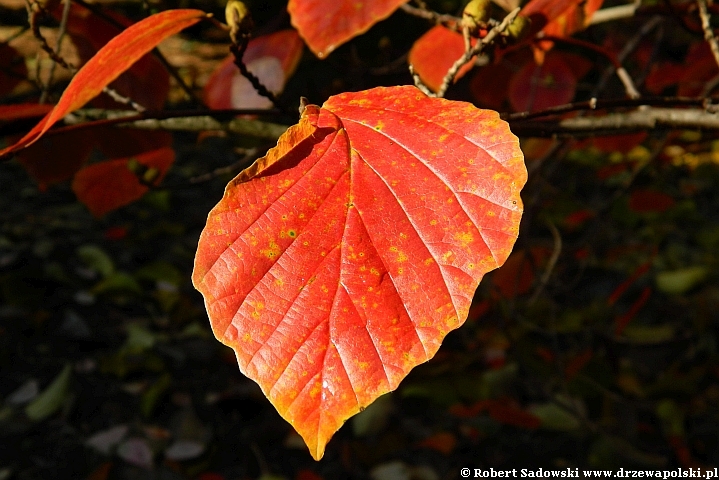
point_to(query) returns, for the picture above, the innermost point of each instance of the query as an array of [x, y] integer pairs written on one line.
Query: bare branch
[[449, 21], [34, 10], [467, 56], [708, 32], [614, 13], [58, 46], [643, 119]]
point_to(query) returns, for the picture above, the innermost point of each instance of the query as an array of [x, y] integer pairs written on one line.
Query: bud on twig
[[239, 20]]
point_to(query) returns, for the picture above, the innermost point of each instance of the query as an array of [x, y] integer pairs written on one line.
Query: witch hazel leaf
[[340, 260], [271, 58], [327, 24], [111, 61], [111, 184], [434, 53]]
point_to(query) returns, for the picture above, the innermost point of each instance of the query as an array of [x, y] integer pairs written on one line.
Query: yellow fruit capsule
[[518, 28], [238, 16], [475, 15]]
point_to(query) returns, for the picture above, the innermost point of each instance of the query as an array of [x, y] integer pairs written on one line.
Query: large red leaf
[[339, 261], [327, 24], [113, 59]]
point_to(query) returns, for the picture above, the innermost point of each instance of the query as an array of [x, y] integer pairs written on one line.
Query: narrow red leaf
[[621, 322], [327, 24], [339, 261], [434, 53], [109, 185], [146, 81], [20, 111], [113, 59]]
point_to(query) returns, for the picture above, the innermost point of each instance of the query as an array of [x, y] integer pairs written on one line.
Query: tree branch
[[643, 119], [708, 32]]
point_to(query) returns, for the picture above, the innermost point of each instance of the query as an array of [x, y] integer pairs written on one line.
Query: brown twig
[[595, 104], [466, 57], [708, 32], [643, 119], [60, 37], [34, 10], [622, 74], [556, 251], [155, 51], [448, 21]]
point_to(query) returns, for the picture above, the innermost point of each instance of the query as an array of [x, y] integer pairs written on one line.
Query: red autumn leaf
[[108, 185], [558, 18], [517, 276], [272, 58], [650, 201], [434, 53], [56, 158], [443, 442], [21, 111], [699, 68], [113, 59], [339, 261], [146, 82], [327, 24], [12, 69], [554, 82]]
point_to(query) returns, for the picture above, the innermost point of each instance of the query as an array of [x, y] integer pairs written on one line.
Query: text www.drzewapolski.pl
[[577, 473]]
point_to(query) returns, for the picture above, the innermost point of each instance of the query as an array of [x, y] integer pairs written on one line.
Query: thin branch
[[645, 119], [708, 32], [467, 56], [449, 21], [34, 9], [595, 104], [614, 13], [624, 77], [248, 156], [58, 47], [628, 49], [557, 250]]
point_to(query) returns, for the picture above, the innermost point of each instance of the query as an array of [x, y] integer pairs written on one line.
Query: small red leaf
[[56, 158], [113, 59], [327, 24], [109, 185], [434, 53], [272, 58], [536, 87], [649, 201], [339, 261], [558, 18]]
